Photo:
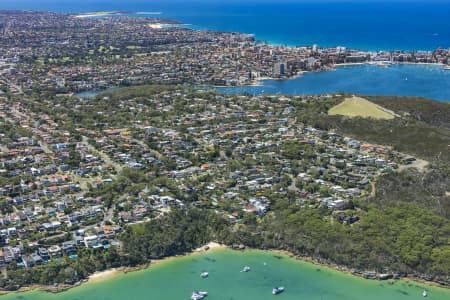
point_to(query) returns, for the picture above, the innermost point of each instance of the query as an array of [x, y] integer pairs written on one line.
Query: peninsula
[[151, 171], [97, 53]]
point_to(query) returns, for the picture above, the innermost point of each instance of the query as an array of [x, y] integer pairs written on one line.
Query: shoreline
[[103, 275], [258, 81], [332, 67], [259, 41], [92, 14], [348, 271], [211, 246], [110, 273], [371, 63]]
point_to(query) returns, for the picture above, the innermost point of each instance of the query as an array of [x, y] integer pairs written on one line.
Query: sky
[[85, 4], [234, 1]]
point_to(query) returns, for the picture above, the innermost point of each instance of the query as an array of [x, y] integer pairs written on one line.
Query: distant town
[[97, 53]]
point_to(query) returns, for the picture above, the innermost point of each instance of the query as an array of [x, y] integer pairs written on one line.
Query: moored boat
[[246, 269], [198, 295], [204, 274], [277, 290], [424, 293]]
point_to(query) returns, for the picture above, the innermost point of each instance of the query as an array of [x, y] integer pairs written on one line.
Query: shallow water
[[178, 277]]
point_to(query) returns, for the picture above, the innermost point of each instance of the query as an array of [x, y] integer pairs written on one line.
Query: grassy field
[[360, 107]]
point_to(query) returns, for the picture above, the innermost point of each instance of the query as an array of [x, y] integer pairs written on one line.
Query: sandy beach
[[110, 273], [210, 246], [97, 276], [164, 25], [95, 14], [156, 26], [398, 63]]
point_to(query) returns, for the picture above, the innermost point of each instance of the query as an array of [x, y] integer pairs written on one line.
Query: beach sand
[[97, 276], [210, 246], [156, 26]]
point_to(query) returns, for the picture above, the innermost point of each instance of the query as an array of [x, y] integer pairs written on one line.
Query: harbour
[[177, 278]]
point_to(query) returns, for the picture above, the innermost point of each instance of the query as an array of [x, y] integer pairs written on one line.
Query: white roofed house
[[92, 241]]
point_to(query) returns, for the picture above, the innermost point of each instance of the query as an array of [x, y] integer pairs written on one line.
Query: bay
[[176, 278], [430, 81]]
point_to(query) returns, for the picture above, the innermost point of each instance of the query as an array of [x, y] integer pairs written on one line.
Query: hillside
[[422, 130], [432, 112]]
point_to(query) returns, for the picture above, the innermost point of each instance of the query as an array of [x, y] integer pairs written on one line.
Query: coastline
[[348, 271], [211, 246], [258, 81], [331, 67], [96, 14], [396, 63], [103, 275], [110, 273]]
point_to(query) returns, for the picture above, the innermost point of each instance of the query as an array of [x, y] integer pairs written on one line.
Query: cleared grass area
[[360, 107]]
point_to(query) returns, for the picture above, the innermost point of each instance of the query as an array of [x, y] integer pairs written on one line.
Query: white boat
[[246, 269], [277, 290], [424, 293], [197, 295], [204, 274], [447, 68]]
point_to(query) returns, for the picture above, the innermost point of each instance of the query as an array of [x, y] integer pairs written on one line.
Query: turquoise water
[[177, 278], [428, 81]]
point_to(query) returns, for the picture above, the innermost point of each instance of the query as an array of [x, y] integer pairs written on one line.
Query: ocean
[[368, 25], [177, 278]]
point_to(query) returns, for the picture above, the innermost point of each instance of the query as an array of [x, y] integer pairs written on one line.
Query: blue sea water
[[369, 25], [430, 81]]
